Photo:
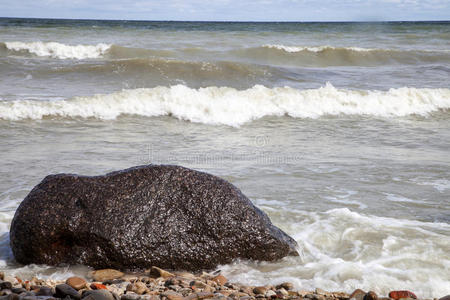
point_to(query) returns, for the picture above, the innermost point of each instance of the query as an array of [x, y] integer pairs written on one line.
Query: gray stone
[[98, 295], [6, 285], [135, 217], [64, 290], [44, 291], [129, 296], [357, 294], [10, 297]]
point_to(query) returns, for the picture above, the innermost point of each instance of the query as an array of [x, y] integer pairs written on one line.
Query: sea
[[340, 132]]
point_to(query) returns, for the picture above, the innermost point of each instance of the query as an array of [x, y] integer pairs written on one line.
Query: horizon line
[[224, 21]]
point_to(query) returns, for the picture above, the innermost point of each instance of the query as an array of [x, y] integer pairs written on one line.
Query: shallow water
[[339, 132]]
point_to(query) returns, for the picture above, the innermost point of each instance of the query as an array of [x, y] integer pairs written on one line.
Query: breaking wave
[[228, 106], [58, 50], [266, 54], [343, 56], [293, 49]]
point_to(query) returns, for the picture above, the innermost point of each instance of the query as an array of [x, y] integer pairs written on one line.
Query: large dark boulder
[[166, 216]]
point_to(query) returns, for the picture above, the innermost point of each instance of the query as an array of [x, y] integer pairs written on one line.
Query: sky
[[231, 10]]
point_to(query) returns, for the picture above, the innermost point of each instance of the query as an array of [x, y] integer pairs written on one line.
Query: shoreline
[[159, 284]]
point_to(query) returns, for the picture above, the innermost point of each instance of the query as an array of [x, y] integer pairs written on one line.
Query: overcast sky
[[231, 10]]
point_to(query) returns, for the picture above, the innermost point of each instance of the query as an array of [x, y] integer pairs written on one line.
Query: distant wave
[[294, 49], [300, 56], [58, 50], [323, 56], [228, 106]]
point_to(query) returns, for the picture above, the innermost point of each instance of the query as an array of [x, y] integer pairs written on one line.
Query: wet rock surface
[[166, 216]]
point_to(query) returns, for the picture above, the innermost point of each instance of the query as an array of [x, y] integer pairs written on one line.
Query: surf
[[232, 107]]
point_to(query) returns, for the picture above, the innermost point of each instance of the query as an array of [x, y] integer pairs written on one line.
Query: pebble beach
[[159, 284]]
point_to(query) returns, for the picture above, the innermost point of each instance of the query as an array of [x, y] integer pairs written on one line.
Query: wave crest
[[228, 106], [293, 49], [344, 56], [59, 50]]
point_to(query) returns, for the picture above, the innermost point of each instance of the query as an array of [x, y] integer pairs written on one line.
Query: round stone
[[77, 283]]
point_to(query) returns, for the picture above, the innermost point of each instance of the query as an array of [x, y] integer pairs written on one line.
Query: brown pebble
[[171, 295], [285, 285], [319, 291], [106, 274], [138, 287], [282, 292], [191, 297], [371, 296], [271, 294], [198, 284], [220, 279], [259, 290], [358, 294], [246, 289], [227, 293], [204, 295], [402, 294], [158, 272], [293, 293], [77, 283]]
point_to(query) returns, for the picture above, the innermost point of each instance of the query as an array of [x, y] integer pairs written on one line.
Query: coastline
[[156, 284]]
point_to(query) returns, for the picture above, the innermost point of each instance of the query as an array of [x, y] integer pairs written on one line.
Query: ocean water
[[340, 132]]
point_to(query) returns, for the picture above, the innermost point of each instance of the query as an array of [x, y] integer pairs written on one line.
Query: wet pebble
[[77, 283], [402, 294], [98, 295], [260, 290], [106, 274], [371, 296], [44, 291], [64, 290], [357, 294], [6, 285], [137, 287]]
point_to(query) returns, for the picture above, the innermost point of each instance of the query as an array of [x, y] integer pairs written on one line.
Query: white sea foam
[[441, 184], [228, 106], [293, 49], [342, 249], [59, 50]]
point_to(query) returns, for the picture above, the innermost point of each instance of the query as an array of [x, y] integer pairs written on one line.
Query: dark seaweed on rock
[[168, 216]]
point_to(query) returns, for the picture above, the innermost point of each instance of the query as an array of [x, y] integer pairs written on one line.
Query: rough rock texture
[[167, 216]]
